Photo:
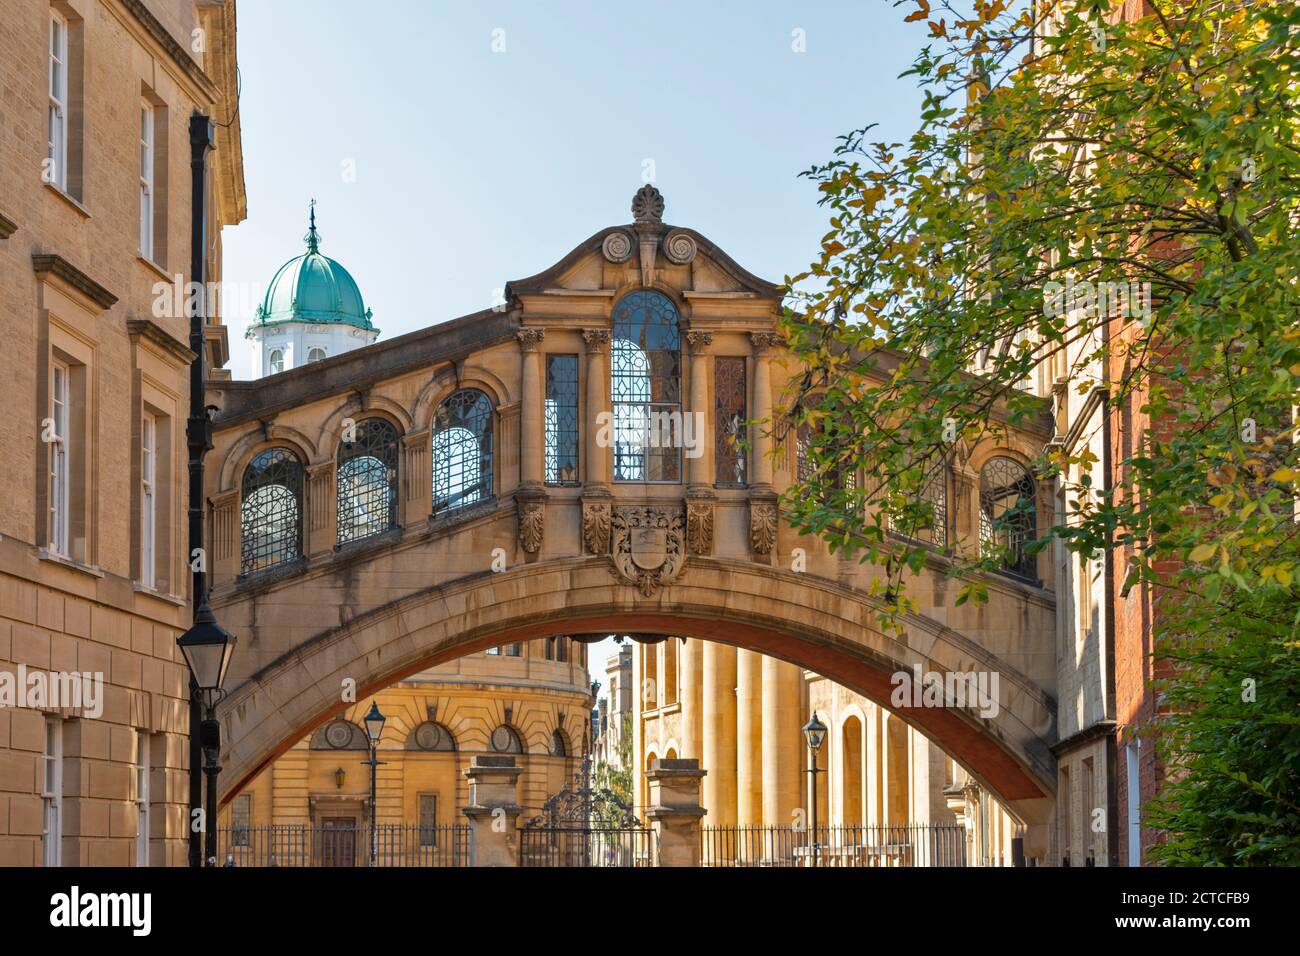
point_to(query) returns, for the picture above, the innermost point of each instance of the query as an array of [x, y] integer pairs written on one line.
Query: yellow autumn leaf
[[1203, 552]]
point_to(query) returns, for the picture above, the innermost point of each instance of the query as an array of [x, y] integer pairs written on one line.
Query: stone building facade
[[529, 699], [95, 217]]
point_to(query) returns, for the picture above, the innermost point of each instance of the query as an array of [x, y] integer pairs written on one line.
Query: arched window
[[339, 734], [315, 355], [645, 389], [558, 746], [462, 451], [1008, 504], [505, 740], [366, 481], [933, 492], [276, 362], [270, 517], [431, 737]]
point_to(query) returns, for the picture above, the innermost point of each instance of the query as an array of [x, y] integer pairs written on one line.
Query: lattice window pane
[[271, 513], [729, 422], [561, 419], [645, 389], [1007, 515], [462, 451], [934, 493], [366, 481]]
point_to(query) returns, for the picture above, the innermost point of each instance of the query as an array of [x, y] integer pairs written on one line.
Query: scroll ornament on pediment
[[532, 525], [595, 527], [762, 526], [649, 547]]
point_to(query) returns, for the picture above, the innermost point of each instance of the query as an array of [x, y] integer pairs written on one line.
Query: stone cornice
[[7, 226], [173, 49], [145, 328], [48, 263], [1097, 731]]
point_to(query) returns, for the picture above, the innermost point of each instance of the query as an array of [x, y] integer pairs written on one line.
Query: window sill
[[69, 199], [155, 268], [44, 554], [144, 589]]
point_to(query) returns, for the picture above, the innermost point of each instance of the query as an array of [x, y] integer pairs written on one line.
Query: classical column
[[597, 502], [699, 470], [597, 466], [749, 738], [692, 666], [531, 432], [783, 744], [761, 409], [719, 697], [674, 810], [763, 514], [321, 509], [493, 810]]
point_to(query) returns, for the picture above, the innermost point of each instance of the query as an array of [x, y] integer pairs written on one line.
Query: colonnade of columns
[[741, 714]]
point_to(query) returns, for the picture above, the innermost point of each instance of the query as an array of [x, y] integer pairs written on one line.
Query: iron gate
[[585, 826]]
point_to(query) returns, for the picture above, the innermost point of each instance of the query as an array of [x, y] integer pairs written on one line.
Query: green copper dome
[[314, 288]]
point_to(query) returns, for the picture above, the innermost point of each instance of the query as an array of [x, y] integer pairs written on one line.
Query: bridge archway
[[808, 621]]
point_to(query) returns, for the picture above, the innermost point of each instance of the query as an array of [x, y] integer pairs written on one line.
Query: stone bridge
[[490, 479]]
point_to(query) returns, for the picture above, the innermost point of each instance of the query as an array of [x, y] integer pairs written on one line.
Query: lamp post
[[815, 732], [374, 722], [207, 648]]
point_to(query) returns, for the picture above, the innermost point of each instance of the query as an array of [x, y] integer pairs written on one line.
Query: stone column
[[533, 399], [760, 469], [763, 515], [597, 502], [699, 471], [674, 811], [783, 745], [719, 696], [597, 464], [692, 668], [493, 810], [531, 496], [321, 509], [749, 738], [223, 540], [417, 477]]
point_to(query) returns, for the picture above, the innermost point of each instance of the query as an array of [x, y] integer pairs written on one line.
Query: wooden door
[[338, 841]]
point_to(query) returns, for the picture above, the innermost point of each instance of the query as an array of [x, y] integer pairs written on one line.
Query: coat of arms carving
[[649, 547]]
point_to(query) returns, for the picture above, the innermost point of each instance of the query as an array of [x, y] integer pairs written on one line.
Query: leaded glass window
[[271, 512], [462, 451], [934, 493], [561, 419], [645, 389], [729, 423], [1007, 515], [803, 452], [366, 481]]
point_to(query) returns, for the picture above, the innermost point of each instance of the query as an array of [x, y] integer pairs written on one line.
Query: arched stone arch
[[374, 406], [671, 293], [809, 621], [445, 383]]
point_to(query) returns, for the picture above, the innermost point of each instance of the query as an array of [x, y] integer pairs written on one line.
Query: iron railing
[[580, 846], [901, 845], [398, 844]]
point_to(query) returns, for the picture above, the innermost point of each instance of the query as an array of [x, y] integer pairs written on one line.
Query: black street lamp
[[374, 723], [207, 648], [815, 732]]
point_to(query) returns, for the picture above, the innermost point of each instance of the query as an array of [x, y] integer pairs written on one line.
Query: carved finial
[[648, 205], [312, 237]]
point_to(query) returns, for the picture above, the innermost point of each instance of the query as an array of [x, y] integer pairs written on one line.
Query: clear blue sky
[[474, 167]]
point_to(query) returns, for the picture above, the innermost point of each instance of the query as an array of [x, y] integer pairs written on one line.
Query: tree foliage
[[1062, 149]]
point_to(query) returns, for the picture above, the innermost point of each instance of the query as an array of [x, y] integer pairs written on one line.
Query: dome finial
[[313, 237]]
